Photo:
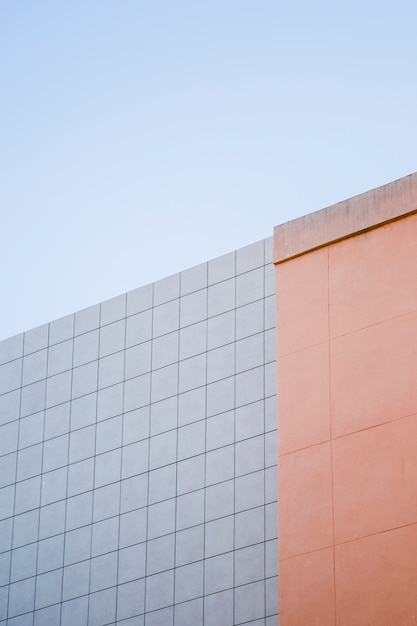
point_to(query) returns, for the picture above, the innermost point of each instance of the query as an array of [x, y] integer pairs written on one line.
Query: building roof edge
[[345, 219]]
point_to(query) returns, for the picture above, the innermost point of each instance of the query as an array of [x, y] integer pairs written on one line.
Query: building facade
[[138, 461], [138, 439]]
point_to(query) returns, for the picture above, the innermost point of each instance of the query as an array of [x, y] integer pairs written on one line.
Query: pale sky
[[141, 137]]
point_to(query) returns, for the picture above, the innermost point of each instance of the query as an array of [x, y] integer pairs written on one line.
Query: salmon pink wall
[[347, 420]]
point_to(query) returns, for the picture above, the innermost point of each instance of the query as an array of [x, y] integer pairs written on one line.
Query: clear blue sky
[[140, 137]]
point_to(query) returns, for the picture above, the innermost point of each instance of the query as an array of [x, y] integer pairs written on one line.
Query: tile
[[304, 398], [134, 493], [11, 348], [103, 571], [113, 310], [48, 589], [220, 430], [139, 299], [192, 373], [191, 440], [303, 283], [221, 330], [164, 383], [162, 483], [218, 573], [189, 546], [218, 609], [11, 375], [249, 602], [138, 360], [189, 582], [87, 319], [161, 519], [60, 357], [23, 563], [250, 527], [28, 495], [163, 449], [249, 564], [51, 520], [9, 406], [221, 363], [249, 386], [132, 528], [190, 475], [250, 455], [84, 379], [219, 536], [219, 500], [50, 554], [311, 577], [159, 590], [139, 328], [132, 561], [36, 339], [221, 297], [107, 468], [250, 319], [250, 352], [130, 600], [250, 420], [166, 289], [165, 350], [374, 477], [250, 286], [21, 597], [34, 369], [221, 268], [191, 406], [111, 370], [220, 396], [190, 612], [220, 465], [160, 554], [57, 420], [136, 425], [304, 480], [137, 392], [165, 318], [110, 400], [190, 510], [193, 308], [163, 415], [105, 536], [194, 278], [102, 606], [79, 510], [112, 338], [106, 501], [75, 611], [77, 545], [249, 491], [359, 400], [193, 340], [249, 257], [108, 434], [86, 348], [61, 329]]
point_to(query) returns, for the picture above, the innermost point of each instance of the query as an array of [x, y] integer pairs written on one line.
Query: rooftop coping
[[345, 219]]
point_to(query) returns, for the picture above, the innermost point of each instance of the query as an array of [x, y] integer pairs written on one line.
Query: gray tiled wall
[[138, 459]]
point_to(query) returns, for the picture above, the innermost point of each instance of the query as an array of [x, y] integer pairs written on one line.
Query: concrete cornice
[[346, 219]]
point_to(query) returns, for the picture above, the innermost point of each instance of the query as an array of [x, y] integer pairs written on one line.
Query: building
[[138, 466], [138, 439]]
